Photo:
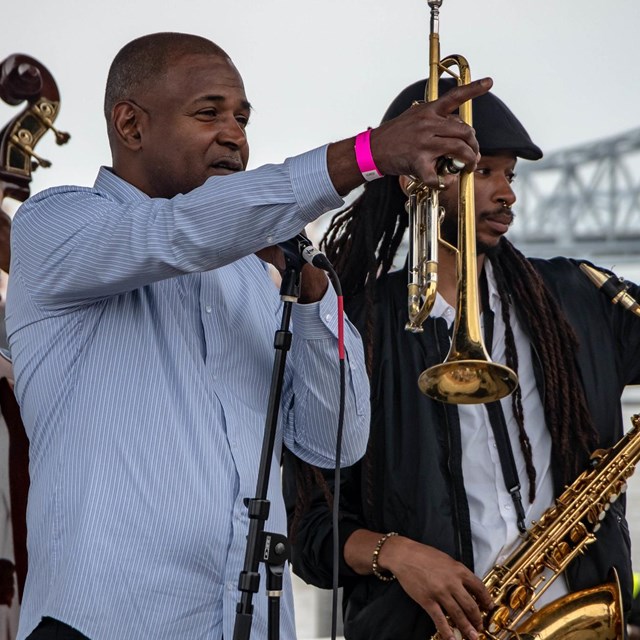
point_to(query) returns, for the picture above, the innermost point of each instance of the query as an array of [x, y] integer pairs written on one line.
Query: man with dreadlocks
[[434, 505]]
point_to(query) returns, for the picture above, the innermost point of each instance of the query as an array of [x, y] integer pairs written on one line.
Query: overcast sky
[[317, 71]]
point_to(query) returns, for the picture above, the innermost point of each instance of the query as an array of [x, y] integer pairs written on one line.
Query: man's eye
[[511, 177], [206, 114], [481, 171], [243, 121]]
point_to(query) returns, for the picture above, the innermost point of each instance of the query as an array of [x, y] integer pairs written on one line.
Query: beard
[[449, 233], [494, 251]]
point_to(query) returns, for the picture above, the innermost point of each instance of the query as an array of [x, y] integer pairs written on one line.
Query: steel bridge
[[581, 201]]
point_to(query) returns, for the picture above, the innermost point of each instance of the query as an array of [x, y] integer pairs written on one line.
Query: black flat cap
[[497, 129]]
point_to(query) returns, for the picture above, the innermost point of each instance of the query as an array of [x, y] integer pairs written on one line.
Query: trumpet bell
[[468, 381]]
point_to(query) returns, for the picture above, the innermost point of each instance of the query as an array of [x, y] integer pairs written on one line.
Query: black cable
[[335, 516], [298, 250]]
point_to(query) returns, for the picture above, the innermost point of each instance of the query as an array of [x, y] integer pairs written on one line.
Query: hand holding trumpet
[[412, 143]]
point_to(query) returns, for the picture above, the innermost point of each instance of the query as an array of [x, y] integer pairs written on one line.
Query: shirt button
[[507, 506], [208, 308], [269, 239], [328, 317]]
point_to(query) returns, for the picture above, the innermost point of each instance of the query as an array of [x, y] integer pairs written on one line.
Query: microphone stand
[[271, 548]]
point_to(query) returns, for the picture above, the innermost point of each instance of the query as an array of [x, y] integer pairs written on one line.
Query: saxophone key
[[556, 556], [498, 619], [520, 596]]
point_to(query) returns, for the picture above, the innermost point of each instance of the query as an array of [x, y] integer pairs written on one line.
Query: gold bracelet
[[374, 564]]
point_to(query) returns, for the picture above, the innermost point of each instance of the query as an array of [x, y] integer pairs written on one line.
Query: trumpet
[[468, 375]]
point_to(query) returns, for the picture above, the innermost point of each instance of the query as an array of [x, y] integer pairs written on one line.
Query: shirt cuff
[[317, 320]]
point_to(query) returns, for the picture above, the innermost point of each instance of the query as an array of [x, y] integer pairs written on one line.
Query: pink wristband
[[364, 158]]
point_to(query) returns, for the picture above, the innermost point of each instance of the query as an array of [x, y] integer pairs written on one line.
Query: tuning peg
[[25, 146], [45, 111], [62, 137]]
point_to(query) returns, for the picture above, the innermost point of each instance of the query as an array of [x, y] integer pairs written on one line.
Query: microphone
[[613, 287], [300, 249]]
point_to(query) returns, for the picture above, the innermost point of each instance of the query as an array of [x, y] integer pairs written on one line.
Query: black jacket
[[417, 489]]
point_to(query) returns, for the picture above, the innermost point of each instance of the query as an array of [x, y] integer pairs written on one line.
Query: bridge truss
[[581, 201]]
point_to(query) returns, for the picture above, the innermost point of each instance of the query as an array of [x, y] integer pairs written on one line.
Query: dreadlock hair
[[565, 405], [361, 242]]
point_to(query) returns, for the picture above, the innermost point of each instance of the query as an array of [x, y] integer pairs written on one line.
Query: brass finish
[[589, 614], [468, 375], [563, 533], [424, 220]]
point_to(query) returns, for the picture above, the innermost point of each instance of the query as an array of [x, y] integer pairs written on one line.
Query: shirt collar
[[109, 183]]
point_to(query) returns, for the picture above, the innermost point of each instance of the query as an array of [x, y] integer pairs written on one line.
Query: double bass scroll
[[23, 78]]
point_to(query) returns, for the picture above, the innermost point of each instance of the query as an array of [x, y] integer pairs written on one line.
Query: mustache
[[506, 215]]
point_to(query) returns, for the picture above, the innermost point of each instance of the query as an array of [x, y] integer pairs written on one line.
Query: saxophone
[[562, 533]]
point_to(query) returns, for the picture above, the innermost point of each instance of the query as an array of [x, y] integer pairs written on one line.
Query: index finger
[[451, 100], [479, 591]]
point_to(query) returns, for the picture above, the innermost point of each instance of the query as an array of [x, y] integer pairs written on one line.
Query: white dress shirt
[[494, 527]]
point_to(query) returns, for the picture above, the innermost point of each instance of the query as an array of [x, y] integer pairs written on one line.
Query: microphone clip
[[300, 250]]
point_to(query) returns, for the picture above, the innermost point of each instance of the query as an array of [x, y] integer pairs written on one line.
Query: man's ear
[[126, 119]]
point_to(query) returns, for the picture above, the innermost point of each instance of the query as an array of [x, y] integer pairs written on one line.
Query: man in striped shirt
[[141, 318]]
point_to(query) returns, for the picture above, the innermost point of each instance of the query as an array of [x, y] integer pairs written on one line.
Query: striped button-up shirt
[[142, 336]]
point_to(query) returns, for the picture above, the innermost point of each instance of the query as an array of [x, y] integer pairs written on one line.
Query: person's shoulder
[[53, 193], [570, 283], [55, 198], [558, 269], [558, 263]]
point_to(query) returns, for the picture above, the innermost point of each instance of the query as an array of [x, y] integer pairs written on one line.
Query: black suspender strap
[[498, 422], [507, 461]]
